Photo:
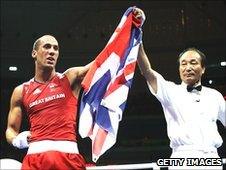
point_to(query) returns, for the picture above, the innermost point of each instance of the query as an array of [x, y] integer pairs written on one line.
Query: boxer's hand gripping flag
[[107, 83]]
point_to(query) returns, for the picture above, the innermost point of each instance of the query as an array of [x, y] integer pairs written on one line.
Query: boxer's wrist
[[21, 140]]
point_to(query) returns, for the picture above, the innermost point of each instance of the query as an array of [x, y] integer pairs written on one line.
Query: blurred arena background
[[83, 29]]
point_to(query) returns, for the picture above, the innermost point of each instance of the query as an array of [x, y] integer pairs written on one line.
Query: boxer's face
[[190, 67], [47, 52]]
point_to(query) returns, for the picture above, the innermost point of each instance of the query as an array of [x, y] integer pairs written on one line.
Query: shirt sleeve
[[163, 86], [222, 111]]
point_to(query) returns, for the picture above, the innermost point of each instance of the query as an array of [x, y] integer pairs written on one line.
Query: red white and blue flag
[[107, 83]]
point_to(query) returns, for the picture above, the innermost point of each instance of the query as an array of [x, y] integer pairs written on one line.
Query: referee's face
[[190, 68]]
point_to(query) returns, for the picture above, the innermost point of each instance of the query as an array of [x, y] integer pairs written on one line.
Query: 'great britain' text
[[46, 99]]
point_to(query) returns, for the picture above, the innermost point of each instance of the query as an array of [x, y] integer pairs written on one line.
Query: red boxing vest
[[51, 109]]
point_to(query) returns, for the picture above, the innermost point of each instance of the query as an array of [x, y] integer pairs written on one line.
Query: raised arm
[[75, 76], [145, 68]]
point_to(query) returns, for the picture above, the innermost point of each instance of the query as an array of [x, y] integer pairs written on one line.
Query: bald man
[[50, 100]]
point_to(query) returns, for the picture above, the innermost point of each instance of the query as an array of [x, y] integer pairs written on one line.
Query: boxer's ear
[[34, 54]]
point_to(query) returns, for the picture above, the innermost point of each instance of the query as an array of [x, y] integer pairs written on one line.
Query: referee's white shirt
[[191, 116]]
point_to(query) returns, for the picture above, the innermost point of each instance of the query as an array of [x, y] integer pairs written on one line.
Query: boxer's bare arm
[[15, 115]]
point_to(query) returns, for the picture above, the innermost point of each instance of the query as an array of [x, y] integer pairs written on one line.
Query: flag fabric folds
[[107, 83]]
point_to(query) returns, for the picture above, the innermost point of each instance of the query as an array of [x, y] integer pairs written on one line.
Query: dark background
[[83, 29]]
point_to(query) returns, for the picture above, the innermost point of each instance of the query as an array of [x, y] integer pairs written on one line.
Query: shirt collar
[[184, 85]]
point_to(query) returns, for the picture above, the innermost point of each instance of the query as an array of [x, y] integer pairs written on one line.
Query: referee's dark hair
[[202, 55]]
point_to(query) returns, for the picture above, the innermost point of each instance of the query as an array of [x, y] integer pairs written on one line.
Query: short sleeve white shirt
[[191, 116]]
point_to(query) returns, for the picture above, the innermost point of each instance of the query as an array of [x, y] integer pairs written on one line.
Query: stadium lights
[[12, 68], [223, 63], [210, 81]]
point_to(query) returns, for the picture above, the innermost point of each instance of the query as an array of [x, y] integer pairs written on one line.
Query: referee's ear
[[203, 70]]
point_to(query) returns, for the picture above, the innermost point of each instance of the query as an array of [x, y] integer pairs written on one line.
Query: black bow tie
[[190, 88]]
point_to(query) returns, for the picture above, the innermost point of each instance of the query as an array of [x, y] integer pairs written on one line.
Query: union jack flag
[[107, 83]]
